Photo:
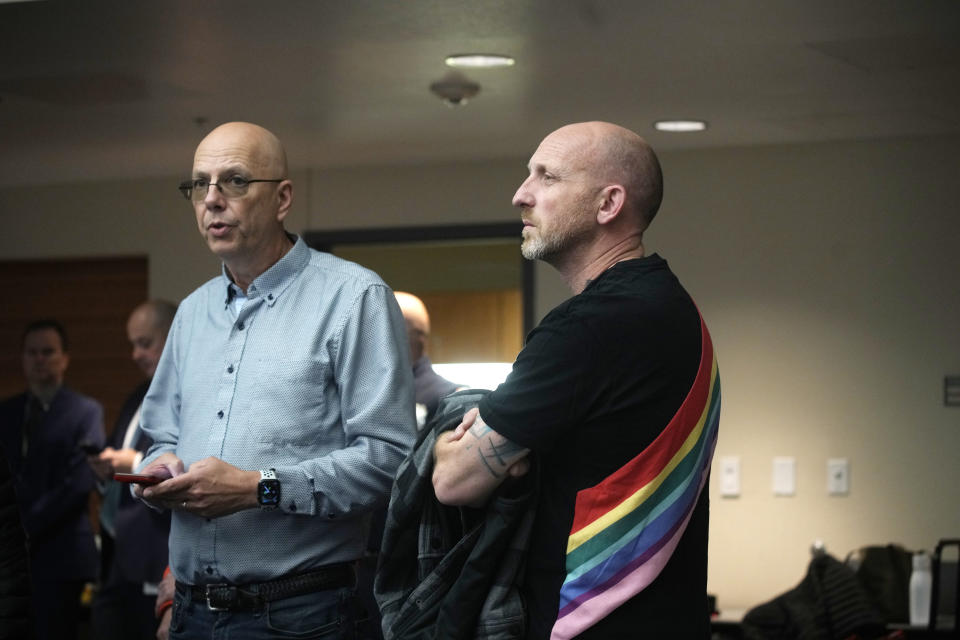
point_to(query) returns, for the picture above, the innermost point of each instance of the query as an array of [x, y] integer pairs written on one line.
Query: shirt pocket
[[285, 401]]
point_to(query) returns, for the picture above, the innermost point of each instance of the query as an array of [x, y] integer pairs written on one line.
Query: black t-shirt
[[596, 383]]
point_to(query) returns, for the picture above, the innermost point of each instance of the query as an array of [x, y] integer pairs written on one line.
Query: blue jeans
[[330, 615]]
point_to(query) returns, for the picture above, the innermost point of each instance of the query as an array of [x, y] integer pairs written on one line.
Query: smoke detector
[[455, 89]]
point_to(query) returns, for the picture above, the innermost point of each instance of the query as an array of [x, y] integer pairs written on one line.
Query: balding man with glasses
[[280, 410]]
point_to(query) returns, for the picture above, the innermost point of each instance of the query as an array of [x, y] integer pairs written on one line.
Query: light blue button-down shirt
[[312, 378]]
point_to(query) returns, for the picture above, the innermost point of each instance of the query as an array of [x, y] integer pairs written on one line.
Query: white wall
[[827, 273], [830, 278]]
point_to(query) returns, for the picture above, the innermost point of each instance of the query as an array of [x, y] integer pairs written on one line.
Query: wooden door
[[92, 298]]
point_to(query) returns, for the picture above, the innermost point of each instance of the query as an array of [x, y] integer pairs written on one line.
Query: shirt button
[[220, 413], [210, 571], [293, 507], [269, 296], [230, 369], [240, 326], [331, 516]]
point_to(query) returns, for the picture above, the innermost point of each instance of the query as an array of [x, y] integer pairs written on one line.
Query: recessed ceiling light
[[680, 126], [474, 60]]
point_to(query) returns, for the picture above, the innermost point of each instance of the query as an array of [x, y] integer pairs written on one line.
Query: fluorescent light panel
[[680, 126], [479, 60]]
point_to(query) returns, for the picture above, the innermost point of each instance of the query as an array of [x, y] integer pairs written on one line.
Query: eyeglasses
[[233, 187]]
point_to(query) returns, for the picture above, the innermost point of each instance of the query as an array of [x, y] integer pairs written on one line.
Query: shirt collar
[[274, 281], [45, 401]]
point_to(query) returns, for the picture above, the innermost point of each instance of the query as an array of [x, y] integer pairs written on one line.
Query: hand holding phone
[[137, 478]]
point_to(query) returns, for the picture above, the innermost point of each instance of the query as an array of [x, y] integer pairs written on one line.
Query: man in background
[[615, 392], [133, 536], [280, 411], [44, 431], [429, 386]]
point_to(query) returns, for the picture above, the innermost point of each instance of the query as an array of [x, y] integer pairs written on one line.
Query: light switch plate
[[784, 476], [838, 476], [730, 476]]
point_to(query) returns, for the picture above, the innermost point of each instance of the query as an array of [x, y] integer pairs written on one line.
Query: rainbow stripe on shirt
[[626, 528]]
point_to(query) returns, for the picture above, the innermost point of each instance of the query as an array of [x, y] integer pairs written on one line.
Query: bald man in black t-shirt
[[616, 392]]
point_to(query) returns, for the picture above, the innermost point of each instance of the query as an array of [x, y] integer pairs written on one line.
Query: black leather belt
[[223, 596]]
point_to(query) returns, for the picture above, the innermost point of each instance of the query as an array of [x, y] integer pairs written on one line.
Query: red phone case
[[139, 479]]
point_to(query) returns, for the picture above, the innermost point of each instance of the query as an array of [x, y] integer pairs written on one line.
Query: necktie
[[33, 416], [111, 497], [109, 507]]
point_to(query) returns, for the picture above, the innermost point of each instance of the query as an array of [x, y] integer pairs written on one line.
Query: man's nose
[[213, 198], [522, 197]]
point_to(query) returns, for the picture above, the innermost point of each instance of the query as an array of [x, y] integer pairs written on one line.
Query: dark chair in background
[[945, 593]]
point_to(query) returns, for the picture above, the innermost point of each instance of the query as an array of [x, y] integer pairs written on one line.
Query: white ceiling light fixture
[[479, 60], [680, 126]]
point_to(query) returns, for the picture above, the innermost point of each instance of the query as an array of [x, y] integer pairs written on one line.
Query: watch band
[[268, 474]]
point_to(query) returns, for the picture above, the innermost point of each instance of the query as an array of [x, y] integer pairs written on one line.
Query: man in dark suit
[[43, 431], [134, 537]]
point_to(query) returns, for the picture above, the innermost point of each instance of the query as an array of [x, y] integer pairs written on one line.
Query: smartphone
[[137, 478]]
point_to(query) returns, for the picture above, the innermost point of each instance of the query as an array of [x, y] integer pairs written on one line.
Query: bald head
[[611, 153], [147, 330], [418, 323], [156, 313], [258, 147]]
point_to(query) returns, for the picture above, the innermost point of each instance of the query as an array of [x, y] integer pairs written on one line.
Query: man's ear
[[612, 198], [285, 197]]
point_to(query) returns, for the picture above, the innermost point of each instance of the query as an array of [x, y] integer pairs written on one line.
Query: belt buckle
[[222, 604]]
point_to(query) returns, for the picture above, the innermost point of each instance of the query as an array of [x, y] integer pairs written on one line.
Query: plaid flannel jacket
[[453, 572]]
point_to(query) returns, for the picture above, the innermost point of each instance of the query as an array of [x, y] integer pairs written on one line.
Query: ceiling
[[96, 90]]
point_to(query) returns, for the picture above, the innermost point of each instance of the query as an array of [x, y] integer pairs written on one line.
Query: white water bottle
[[921, 580]]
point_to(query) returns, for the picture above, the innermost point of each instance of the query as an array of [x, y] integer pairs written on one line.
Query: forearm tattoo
[[496, 452]]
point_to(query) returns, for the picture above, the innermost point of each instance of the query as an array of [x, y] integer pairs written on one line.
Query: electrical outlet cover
[[838, 476], [730, 476]]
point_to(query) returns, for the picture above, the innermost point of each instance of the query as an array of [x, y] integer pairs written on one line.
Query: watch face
[[268, 493]]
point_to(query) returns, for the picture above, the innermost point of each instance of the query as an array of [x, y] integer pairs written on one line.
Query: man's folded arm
[[471, 461]]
